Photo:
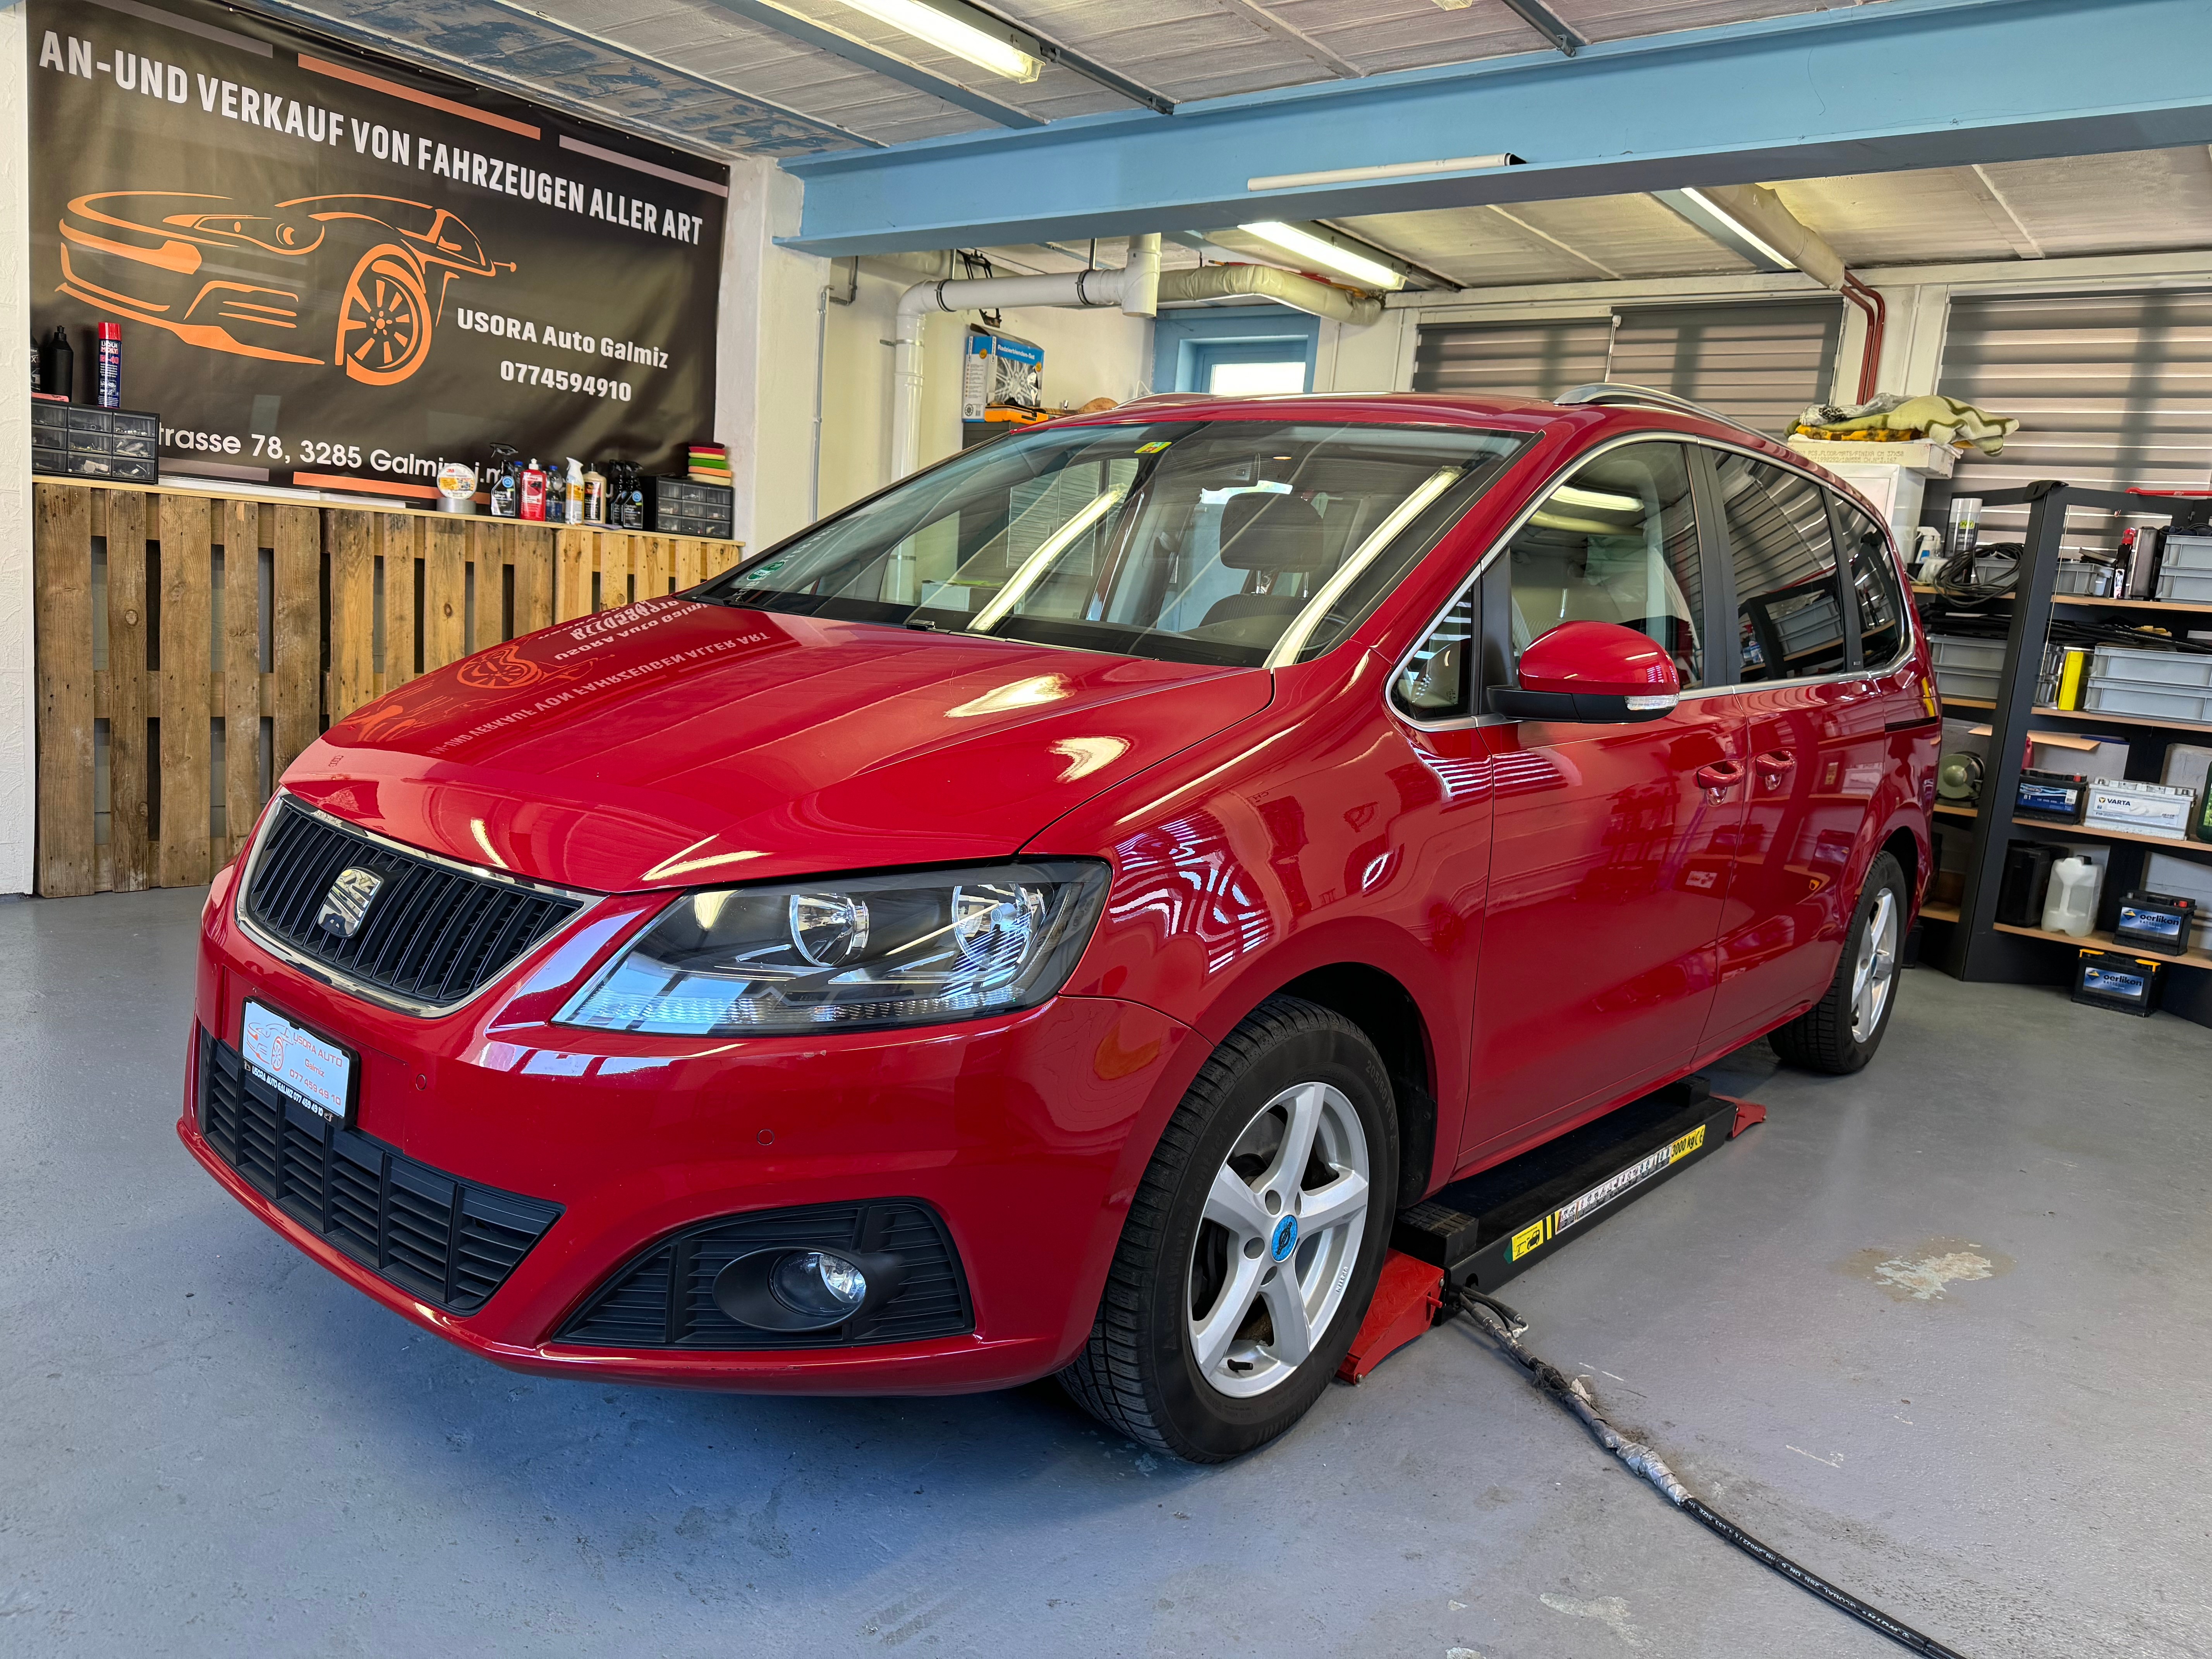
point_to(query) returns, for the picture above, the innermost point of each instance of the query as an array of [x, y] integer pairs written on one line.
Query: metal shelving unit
[[1971, 944]]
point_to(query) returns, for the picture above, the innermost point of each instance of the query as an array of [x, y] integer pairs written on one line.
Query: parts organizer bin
[[2182, 668], [2152, 702], [678, 507], [72, 441], [1967, 668], [2186, 587], [2083, 576]]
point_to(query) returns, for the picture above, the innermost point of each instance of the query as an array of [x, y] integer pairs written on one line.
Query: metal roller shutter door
[[2112, 391], [1512, 360], [1758, 364]]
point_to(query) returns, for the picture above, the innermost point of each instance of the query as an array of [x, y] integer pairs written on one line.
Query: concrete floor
[[209, 1446]]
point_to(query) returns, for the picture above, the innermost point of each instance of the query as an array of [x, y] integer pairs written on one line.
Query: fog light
[[817, 1284]]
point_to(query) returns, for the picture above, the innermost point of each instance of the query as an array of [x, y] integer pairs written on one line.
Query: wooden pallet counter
[[169, 621]]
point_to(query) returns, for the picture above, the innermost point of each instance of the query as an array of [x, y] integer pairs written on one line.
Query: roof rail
[[1606, 392]]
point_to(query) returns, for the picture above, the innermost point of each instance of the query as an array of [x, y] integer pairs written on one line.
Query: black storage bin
[[678, 507], [2026, 884], [74, 440]]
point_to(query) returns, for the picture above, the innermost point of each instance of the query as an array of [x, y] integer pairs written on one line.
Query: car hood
[[675, 744]]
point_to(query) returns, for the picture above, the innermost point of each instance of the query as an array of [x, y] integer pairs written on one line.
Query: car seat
[[1275, 533]]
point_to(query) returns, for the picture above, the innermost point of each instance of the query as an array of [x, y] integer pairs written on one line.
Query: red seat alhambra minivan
[[1048, 917]]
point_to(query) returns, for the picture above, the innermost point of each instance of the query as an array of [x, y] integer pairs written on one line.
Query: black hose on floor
[[1504, 1325]]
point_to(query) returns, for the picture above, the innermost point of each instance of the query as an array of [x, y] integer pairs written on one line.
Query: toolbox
[[74, 440], [2125, 984], [2155, 921]]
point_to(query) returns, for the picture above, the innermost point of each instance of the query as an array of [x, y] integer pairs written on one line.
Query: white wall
[[18, 682], [765, 357]]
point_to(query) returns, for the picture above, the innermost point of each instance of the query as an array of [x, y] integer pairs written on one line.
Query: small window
[[1790, 609], [1616, 542], [1434, 684], [1874, 581]]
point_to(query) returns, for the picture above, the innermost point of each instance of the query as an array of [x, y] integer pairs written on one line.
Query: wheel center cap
[[1286, 1238]]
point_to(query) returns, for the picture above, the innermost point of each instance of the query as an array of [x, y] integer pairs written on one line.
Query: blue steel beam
[[1872, 88]]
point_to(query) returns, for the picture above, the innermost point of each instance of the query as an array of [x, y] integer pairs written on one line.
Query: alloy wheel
[[1278, 1240], [1876, 967]]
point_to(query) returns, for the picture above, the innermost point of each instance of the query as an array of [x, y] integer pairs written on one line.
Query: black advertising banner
[[327, 268]]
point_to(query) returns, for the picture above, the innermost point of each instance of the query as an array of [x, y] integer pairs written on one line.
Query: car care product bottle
[[38, 368], [457, 487], [595, 495], [533, 490], [110, 383], [504, 482], [2071, 908], [60, 364], [633, 495], [572, 494]]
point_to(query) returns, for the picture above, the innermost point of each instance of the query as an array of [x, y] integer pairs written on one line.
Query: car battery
[[2142, 809], [2050, 797], [2127, 985], [2025, 883], [2155, 921]]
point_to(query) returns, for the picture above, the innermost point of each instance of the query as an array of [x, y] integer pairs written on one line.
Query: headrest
[[1266, 531]]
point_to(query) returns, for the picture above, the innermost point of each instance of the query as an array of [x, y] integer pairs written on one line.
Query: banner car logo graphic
[[347, 903], [228, 280]]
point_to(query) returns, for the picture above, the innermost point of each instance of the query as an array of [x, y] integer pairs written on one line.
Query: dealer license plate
[[296, 1063]]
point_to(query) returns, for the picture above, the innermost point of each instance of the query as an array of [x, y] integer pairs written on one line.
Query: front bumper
[[1025, 1132]]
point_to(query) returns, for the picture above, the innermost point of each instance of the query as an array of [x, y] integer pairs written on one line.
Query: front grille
[[666, 1298], [433, 932], [449, 1242]]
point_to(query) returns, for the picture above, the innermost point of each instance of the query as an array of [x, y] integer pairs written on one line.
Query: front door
[[1610, 844]]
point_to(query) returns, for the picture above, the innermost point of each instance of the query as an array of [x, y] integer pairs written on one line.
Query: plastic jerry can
[[2071, 907]]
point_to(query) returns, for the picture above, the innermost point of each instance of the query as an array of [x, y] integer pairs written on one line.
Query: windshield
[[1191, 541]]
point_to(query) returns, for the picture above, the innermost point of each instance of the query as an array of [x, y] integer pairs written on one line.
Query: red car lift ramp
[[1479, 1232]]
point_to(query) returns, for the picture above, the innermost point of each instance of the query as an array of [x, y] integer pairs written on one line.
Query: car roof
[[1586, 422]]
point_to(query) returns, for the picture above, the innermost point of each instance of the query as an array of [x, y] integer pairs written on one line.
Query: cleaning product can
[[110, 388]]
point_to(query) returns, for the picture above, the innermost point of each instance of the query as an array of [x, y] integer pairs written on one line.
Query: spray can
[[533, 490], [505, 483], [1965, 523], [60, 364], [595, 495], [110, 384]]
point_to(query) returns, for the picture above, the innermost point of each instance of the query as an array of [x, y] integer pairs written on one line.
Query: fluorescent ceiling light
[[1328, 255], [1388, 170], [1739, 229], [948, 33]]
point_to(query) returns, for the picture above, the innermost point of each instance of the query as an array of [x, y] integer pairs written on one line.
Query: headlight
[[899, 950]]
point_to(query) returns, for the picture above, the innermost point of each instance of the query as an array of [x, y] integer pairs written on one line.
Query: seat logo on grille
[[347, 903]]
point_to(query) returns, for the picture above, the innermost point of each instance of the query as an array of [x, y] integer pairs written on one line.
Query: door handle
[[1779, 762], [1718, 777]]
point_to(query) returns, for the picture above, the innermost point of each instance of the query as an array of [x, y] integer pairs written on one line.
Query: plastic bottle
[[533, 490], [572, 493], [108, 385], [505, 483], [2071, 909], [60, 364], [595, 495]]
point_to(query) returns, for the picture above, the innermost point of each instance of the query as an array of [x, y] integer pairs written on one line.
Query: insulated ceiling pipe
[[1267, 283]]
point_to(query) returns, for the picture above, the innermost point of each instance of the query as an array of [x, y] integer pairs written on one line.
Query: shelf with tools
[[1967, 940]]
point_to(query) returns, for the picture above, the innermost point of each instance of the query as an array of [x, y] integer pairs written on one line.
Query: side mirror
[[1591, 671]]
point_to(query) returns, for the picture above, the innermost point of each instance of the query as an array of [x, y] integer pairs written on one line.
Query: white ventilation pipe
[[1137, 288]]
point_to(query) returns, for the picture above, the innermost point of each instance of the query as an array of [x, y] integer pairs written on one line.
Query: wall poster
[[331, 270]]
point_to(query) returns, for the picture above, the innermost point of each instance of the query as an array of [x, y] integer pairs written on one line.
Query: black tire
[[1822, 1038], [1138, 1373]]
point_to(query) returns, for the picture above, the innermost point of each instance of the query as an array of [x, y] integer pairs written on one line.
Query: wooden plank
[[444, 599], [488, 542], [572, 553], [715, 557], [535, 556], [296, 641], [403, 548], [353, 542], [186, 536], [130, 694], [61, 546], [242, 672], [655, 565]]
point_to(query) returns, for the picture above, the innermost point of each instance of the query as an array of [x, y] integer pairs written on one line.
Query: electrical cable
[[1505, 1327]]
